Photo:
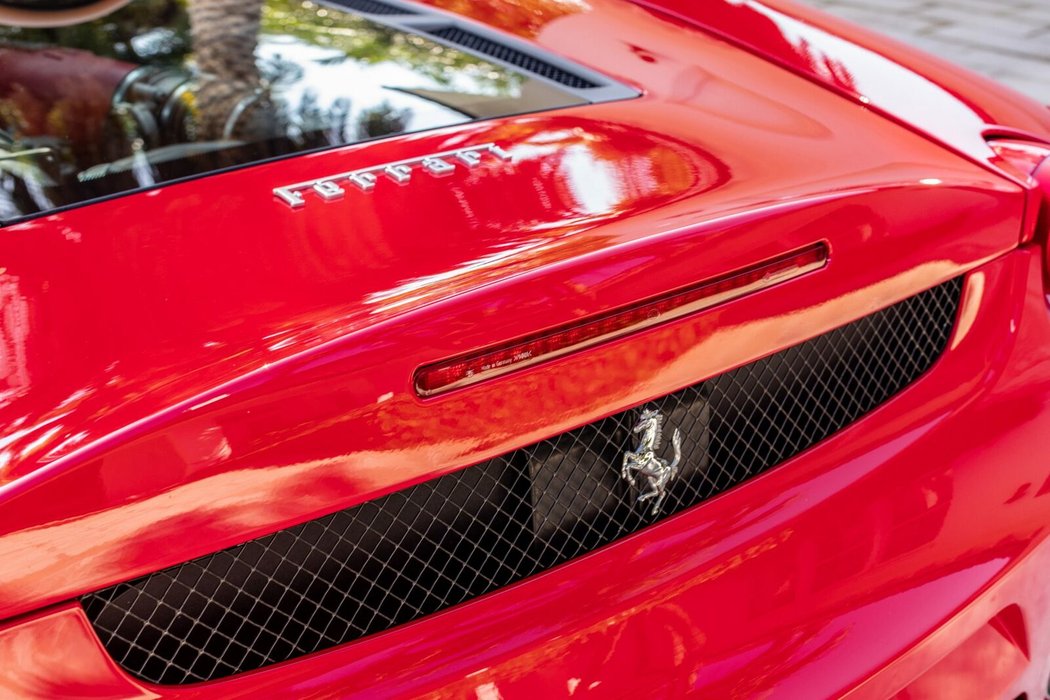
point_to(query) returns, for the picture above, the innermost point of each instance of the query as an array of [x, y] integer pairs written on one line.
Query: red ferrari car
[[516, 349]]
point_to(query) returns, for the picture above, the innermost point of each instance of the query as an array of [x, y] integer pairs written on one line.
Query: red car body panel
[[267, 311], [918, 90], [816, 579], [202, 359]]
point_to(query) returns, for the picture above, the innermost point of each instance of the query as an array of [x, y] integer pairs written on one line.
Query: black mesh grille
[[443, 542], [531, 64], [375, 7]]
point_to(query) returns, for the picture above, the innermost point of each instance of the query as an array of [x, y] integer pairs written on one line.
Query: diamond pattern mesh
[[531, 64], [375, 7], [443, 542]]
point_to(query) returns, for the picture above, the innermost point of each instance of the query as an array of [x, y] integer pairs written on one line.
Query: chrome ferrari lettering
[[398, 173], [659, 473], [364, 181], [330, 188], [292, 198], [438, 166], [500, 153], [469, 158]]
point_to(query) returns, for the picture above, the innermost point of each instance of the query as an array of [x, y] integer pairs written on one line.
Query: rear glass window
[[165, 89]]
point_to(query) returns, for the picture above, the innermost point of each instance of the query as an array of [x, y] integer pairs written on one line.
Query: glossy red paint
[[856, 568], [340, 318], [202, 359], [942, 101], [987, 664]]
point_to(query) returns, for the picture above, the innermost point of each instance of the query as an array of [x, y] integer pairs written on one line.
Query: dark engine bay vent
[[476, 43], [376, 7]]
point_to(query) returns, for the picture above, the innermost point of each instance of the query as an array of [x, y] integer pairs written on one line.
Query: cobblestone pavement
[[1008, 40]]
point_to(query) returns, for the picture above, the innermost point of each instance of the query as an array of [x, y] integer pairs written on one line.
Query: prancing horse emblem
[[644, 462]]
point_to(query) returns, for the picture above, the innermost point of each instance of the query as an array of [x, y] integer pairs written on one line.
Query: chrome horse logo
[[644, 462]]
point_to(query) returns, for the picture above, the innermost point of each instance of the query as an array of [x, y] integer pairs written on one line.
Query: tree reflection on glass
[[358, 39], [156, 31], [525, 17], [162, 89]]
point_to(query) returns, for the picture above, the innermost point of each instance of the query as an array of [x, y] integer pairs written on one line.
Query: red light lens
[[1024, 157], [525, 352], [1031, 161], [1042, 225]]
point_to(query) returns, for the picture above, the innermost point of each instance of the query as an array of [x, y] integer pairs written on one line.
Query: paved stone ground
[[1008, 40]]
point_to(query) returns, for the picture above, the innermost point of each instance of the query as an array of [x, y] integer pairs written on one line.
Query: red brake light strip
[[525, 352]]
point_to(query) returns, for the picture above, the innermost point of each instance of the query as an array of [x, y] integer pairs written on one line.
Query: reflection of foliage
[[525, 17], [124, 35], [381, 120], [13, 173], [371, 43], [165, 77]]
